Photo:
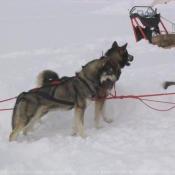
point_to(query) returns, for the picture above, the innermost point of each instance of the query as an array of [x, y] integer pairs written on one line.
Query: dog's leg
[[74, 131], [79, 121], [36, 118], [103, 114], [167, 83], [98, 108], [29, 127], [20, 124]]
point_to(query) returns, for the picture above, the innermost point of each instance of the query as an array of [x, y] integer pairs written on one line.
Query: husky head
[[108, 72], [101, 70], [119, 55]]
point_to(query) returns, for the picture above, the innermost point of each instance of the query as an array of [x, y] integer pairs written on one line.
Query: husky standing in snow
[[74, 92]]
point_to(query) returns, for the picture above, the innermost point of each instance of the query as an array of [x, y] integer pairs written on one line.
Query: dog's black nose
[[127, 64], [130, 57]]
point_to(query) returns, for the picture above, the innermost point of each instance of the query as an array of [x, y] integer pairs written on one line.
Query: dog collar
[[114, 63]]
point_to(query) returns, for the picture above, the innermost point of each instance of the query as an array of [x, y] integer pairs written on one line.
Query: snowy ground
[[63, 36]]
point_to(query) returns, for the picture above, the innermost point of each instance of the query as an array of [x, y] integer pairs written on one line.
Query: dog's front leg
[[98, 108], [79, 122], [103, 114]]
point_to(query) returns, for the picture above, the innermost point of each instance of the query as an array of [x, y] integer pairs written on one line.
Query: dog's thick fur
[[166, 84], [118, 55], [79, 90]]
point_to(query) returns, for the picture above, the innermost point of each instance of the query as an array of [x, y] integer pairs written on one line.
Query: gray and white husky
[[74, 92]]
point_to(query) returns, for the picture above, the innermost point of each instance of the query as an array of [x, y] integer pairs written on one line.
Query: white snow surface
[[63, 36]]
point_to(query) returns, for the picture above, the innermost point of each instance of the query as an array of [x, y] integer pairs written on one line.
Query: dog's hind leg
[[79, 121], [20, 124], [23, 113], [167, 83], [36, 118]]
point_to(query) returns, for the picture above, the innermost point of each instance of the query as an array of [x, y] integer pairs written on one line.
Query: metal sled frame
[[135, 16], [150, 21]]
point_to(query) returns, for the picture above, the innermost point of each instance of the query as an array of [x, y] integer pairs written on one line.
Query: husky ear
[[114, 44], [123, 49], [102, 62]]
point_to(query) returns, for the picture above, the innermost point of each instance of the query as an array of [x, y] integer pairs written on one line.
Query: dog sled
[[147, 24]]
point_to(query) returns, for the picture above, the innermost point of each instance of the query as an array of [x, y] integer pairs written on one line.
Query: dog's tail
[[166, 84], [46, 77]]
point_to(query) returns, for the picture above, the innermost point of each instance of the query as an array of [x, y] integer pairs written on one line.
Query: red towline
[[138, 97]]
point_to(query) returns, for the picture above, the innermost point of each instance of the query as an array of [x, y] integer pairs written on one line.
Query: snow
[[63, 36]]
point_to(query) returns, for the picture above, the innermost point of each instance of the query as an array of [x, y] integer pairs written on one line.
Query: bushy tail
[[46, 77], [166, 84]]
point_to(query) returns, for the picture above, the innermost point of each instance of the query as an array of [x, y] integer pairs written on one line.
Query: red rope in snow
[[6, 109], [8, 99], [138, 97]]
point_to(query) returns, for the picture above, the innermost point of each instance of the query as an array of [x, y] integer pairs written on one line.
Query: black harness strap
[[51, 97], [86, 84], [48, 97]]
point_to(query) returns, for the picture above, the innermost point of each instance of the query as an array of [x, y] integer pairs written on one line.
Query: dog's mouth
[[108, 79]]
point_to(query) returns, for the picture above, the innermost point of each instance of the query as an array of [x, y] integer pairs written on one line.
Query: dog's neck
[[89, 78]]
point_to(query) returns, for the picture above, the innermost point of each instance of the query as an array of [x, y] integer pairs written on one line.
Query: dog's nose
[[127, 64], [130, 57]]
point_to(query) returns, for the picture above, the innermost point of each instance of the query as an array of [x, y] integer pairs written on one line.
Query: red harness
[[53, 83]]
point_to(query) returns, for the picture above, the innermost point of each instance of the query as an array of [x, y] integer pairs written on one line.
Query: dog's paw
[[98, 126], [108, 120], [74, 135]]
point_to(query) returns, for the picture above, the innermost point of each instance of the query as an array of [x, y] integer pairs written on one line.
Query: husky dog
[[119, 58], [75, 92], [166, 84]]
